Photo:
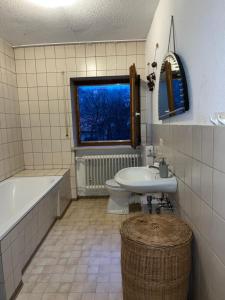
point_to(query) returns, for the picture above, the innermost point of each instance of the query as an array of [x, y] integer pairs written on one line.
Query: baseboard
[[92, 197]]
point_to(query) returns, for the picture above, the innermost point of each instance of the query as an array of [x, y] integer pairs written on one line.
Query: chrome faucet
[[158, 160], [152, 153], [153, 167]]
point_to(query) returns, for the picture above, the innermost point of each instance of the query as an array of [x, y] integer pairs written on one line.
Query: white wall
[[200, 32]]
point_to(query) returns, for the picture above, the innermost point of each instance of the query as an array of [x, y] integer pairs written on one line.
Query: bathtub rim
[[15, 220]]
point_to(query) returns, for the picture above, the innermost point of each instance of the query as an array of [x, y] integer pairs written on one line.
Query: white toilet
[[118, 198]]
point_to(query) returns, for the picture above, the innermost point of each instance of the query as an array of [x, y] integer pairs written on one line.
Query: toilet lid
[[112, 183]]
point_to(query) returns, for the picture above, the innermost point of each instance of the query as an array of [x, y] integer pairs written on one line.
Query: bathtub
[[18, 195], [28, 208]]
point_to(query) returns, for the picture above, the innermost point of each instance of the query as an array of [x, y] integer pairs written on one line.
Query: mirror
[[173, 93]]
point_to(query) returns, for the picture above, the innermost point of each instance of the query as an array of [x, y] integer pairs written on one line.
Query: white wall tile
[[21, 80], [22, 94], [52, 93], [19, 53], [111, 63], [219, 192], [81, 64], [121, 49], [34, 107], [39, 52], [140, 47], [219, 145], [51, 79], [50, 65], [41, 79], [91, 63], [31, 80], [101, 63], [196, 177], [217, 236], [207, 145], [121, 62], [49, 52], [100, 49], [29, 53], [70, 50], [21, 66], [140, 60], [71, 64], [80, 50], [197, 142], [40, 66], [60, 65], [30, 66], [11, 157], [206, 184], [131, 48], [131, 59], [32, 93], [90, 50], [60, 51]]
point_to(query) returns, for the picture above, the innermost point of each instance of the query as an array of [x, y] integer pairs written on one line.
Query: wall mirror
[[173, 93]]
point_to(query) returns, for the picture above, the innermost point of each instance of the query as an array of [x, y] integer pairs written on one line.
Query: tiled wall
[[41, 87], [11, 150], [196, 154]]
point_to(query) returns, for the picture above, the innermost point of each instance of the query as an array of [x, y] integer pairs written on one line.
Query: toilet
[[118, 198]]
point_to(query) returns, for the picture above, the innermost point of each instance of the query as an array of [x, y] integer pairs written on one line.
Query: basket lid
[[156, 230]]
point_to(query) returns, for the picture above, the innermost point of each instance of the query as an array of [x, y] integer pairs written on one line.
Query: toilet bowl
[[118, 198]]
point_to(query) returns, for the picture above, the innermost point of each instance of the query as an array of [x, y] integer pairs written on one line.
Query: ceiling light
[[53, 3]]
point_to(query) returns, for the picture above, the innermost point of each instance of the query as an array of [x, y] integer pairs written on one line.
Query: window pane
[[104, 112]]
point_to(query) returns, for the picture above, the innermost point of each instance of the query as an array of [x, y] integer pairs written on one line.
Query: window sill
[[124, 147]]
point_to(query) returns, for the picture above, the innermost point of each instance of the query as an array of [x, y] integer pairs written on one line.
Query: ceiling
[[23, 22]]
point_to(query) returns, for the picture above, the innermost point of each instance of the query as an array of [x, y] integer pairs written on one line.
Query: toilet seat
[[113, 185]]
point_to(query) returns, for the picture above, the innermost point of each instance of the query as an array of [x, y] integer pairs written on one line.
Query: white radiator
[[99, 168]]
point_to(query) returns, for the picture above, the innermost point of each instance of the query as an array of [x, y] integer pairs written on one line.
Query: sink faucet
[[153, 167], [152, 153]]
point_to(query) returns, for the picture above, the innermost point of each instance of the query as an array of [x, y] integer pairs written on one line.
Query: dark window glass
[[104, 112]]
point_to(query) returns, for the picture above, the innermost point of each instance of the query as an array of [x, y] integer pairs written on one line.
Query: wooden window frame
[[75, 82]]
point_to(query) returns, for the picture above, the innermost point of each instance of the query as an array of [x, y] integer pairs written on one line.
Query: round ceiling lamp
[[53, 3]]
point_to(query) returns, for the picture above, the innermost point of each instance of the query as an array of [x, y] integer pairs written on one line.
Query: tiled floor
[[80, 258]]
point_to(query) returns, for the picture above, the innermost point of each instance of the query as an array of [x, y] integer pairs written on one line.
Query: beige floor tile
[[80, 257], [101, 296], [28, 296], [115, 296], [88, 296], [55, 296], [74, 296]]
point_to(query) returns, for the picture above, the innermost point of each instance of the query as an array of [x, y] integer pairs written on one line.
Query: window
[[103, 110]]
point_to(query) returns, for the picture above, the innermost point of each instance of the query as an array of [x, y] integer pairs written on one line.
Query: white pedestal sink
[[145, 180]]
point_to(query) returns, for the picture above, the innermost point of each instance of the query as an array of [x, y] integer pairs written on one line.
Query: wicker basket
[[155, 258]]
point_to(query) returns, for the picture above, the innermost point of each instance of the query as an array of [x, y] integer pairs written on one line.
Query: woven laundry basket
[[155, 258]]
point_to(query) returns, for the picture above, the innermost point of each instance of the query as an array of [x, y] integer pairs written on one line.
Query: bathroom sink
[[145, 180]]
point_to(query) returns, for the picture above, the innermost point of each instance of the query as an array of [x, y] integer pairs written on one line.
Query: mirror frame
[[166, 68]]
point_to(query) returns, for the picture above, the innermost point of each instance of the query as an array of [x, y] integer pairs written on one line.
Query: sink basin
[[145, 180]]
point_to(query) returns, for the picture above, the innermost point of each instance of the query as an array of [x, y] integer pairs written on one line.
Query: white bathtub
[[18, 195], [28, 208]]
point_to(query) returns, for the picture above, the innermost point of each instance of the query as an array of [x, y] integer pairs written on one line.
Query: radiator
[[99, 168]]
